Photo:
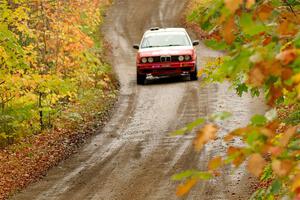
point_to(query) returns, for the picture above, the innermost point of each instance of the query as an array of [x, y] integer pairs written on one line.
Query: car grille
[[158, 59]]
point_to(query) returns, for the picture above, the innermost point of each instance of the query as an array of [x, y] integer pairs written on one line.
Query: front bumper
[[166, 69]]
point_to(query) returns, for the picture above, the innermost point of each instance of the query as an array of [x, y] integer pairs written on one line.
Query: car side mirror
[[196, 42], [136, 46]]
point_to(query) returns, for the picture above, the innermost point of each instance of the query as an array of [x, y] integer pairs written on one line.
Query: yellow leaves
[[296, 78], [256, 164], [215, 163], [296, 183], [250, 3], [183, 189], [282, 168], [286, 136], [296, 81], [200, 72], [287, 28], [233, 5], [207, 133], [229, 28]]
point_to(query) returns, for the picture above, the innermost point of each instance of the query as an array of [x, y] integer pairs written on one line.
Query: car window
[[165, 39]]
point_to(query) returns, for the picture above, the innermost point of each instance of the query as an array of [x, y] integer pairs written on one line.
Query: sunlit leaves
[[48, 59], [296, 183], [191, 177], [221, 116], [262, 43], [228, 30], [189, 127], [264, 11], [233, 5], [286, 136], [288, 56], [250, 3], [184, 188], [249, 26], [206, 134], [256, 164], [215, 163], [192, 173], [258, 120], [282, 167]]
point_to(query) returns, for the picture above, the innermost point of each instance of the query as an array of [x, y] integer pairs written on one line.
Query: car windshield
[[165, 39]]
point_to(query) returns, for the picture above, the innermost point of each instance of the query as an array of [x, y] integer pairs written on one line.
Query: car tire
[[194, 75], [140, 79]]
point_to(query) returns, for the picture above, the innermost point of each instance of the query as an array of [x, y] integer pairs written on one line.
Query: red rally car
[[166, 52]]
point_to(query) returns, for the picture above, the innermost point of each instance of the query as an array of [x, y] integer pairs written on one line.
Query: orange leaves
[[183, 189], [286, 136], [250, 3], [256, 76], [296, 183], [282, 168], [262, 70], [229, 28], [236, 153], [267, 40], [286, 28], [233, 5], [288, 56], [256, 164], [215, 163], [273, 150], [264, 11], [207, 133]]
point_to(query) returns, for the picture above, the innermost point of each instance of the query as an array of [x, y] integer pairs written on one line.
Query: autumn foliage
[[49, 58], [261, 42]]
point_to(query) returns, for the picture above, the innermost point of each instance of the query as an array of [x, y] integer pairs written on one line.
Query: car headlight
[[181, 58], [187, 57], [144, 60], [150, 60]]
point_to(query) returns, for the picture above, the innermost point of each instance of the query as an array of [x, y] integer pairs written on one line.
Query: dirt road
[[133, 157]]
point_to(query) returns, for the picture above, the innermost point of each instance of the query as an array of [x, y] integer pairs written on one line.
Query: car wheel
[[194, 75], [140, 79]]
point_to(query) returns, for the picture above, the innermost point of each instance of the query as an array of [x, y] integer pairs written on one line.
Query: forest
[[262, 44]]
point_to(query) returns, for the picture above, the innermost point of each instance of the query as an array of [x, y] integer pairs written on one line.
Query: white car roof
[[161, 30]]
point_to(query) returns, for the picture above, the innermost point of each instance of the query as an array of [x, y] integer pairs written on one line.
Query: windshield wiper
[[151, 46], [174, 45]]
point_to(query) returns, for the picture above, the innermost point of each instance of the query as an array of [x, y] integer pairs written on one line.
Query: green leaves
[[262, 44], [258, 120], [220, 116], [216, 45], [251, 27], [241, 88], [47, 67], [189, 127], [192, 173]]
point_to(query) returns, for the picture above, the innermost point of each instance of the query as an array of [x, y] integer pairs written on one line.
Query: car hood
[[165, 51]]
